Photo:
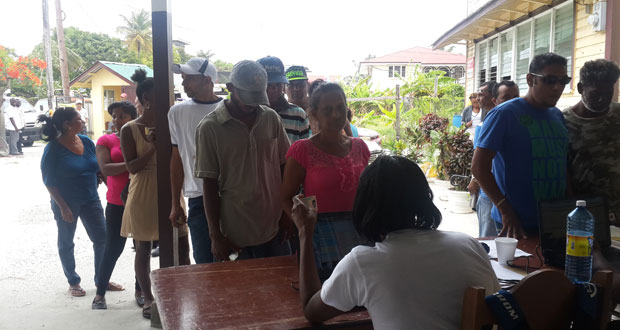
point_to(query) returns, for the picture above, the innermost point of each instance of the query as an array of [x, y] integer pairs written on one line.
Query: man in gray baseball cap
[[240, 148]]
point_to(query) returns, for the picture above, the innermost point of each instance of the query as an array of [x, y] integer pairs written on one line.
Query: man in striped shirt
[[294, 118]]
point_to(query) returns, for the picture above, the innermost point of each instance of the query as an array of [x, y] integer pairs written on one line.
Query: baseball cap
[[274, 68], [250, 81], [296, 72], [197, 66], [78, 102]]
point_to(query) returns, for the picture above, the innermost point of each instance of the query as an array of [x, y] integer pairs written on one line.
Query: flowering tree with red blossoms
[[21, 68]]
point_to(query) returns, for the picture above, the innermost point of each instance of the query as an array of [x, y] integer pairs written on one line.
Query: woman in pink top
[[328, 165], [112, 165]]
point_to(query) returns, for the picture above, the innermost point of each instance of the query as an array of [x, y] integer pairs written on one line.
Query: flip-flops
[[115, 287], [146, 312], [99, 304], [139, 299], [77, 291]]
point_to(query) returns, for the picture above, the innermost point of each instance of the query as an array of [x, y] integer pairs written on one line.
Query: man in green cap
[[297, 90]]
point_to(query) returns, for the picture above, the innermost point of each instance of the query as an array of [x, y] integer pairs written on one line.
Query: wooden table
[[256, 294]]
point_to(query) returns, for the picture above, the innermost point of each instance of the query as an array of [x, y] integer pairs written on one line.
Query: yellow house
[[107, 81], [502, 36]]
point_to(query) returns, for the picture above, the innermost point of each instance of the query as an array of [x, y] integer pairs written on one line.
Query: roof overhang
[[495, 16], [84, 80]]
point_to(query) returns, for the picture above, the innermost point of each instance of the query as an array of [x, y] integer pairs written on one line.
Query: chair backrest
[[546, 298]]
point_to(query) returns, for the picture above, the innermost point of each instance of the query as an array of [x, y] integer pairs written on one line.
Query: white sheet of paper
[[493, 250], [505, 272]]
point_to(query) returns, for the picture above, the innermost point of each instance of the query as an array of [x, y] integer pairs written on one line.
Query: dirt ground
[[33, 289]]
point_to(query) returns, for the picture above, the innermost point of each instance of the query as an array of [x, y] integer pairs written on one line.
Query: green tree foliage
[[223, 66], [138, 32], [84, 49]]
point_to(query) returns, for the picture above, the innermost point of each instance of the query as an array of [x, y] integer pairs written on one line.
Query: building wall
[[588, 45], [380, 78], [470, 69], [101, 81]]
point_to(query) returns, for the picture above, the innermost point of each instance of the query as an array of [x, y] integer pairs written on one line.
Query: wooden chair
[[546, 298]]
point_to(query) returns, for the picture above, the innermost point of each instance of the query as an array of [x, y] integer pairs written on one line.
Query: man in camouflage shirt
[[594, 136]]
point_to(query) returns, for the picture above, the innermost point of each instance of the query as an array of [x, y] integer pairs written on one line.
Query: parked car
[[32, 129]]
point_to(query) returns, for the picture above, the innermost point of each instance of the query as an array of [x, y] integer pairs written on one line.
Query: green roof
[[126, 69]]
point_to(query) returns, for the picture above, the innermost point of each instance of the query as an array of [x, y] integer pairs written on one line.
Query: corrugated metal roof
[[127, 69]]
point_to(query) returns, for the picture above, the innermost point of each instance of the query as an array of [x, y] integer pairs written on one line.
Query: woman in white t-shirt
[[414, 277]]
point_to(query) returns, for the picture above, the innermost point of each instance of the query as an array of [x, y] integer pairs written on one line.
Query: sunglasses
[[553, 80], [203, 67]]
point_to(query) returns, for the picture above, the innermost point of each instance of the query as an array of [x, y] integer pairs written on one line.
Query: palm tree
[[207, 54], [137, 32]]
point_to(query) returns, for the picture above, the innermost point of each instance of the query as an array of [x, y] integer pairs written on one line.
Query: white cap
[[197, 66], [581, 203]]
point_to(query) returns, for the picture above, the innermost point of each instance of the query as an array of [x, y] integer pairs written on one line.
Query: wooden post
[[164, 89], [62, 54], [397, 124], [612, 38], [47, 46]]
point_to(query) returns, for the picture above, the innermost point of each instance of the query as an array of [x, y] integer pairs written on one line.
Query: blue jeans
[[91, 214], [274, 248], [486, 224], [199, 231]]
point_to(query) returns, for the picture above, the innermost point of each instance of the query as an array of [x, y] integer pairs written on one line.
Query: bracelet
[[500, 202]]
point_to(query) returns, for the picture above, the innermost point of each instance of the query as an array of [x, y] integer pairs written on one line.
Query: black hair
[[145, 85], [53, 126], [599, 71], [489, 89], [393, 194], [126, 106], [314, 85], [539, 62], [321, 90], [507, 83]]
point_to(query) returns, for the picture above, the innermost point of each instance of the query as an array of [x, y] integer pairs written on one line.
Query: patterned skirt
[[334, 237]]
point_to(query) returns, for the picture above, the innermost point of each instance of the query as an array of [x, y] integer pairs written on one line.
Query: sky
[[327, 36]]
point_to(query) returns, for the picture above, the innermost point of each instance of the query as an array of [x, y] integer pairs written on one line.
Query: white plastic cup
[[506, 248]]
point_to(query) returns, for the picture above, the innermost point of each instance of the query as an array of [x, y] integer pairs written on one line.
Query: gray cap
[[250, 81]]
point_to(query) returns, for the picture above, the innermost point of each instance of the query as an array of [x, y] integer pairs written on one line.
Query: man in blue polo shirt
[[525, 141]]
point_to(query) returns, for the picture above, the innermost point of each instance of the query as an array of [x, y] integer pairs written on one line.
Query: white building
[[389, 70]]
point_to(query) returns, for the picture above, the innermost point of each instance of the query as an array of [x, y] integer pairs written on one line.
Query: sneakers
[[99, 304]]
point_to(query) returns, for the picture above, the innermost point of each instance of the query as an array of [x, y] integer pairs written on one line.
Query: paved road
[[33, 289]]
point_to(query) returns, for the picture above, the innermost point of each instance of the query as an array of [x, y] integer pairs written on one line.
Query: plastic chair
[[546, 298]]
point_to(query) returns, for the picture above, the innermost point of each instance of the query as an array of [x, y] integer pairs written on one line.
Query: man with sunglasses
[[524, 141], [593, 135], [199, 75]]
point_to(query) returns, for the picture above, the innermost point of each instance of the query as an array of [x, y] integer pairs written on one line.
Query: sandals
[[115, 287], [146, 312], [77, 291], [99, 304], [139, 299]]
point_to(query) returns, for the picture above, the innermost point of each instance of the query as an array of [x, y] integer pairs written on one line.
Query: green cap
[[296, 72]]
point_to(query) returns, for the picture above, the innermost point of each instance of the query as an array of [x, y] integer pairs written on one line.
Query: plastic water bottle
[[579, 241]]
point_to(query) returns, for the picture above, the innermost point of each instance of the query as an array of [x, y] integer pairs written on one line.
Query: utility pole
[[62, 53], [47, 46]]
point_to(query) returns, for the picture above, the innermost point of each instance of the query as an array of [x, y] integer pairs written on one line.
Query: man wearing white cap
[[240, 148], [199, 75]]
